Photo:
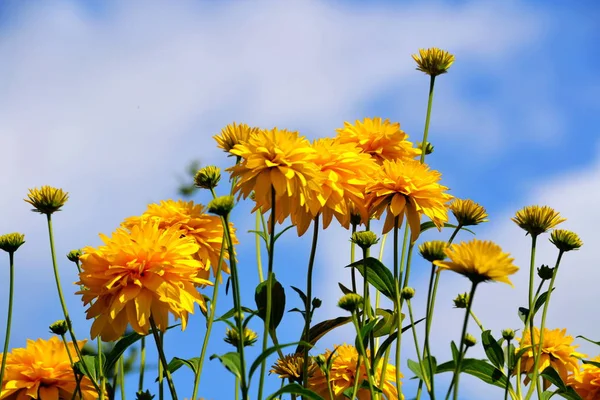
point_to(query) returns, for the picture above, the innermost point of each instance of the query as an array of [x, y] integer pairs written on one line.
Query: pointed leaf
[[390, 339], [415, 367], [294, 388], [364, 333], [454, 350], [589, 340], [231, 361], [492, 349], [594, 363], [478, 368], [523, 313], [540, 301], [277, 301], [300, 293], [344, 289], [387, 324], [378, 275], [282, 232], [425, 226], [319, 330]]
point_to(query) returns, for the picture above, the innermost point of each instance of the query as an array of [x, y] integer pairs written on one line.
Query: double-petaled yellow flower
[[379, 138], [142, 273], [291, 367], [42, 370], [412, 189], [586, 381]]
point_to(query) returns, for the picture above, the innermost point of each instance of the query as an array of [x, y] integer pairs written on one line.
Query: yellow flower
[[343, 373], [10, 242], [291, 367], [383, 140], [234, 134], [479, 261], [433, 250], [433, 61], [557, 352], [411, 188], [467, 212], [586, 381], [47, 200], [141, 273], [284, 161], [565, 240], [42, 370], [232, 337], [537, 220], [206, 230]]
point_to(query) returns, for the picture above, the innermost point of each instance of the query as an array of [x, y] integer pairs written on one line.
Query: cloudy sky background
[[110, 101]]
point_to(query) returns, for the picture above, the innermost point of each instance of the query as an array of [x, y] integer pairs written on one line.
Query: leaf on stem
[[277, 301], [492, 349], [379, 276]]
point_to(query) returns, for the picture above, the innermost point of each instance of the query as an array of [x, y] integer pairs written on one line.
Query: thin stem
[[122, 377], [263, 366], [142, 363], [363, 353], [11, 285], [477, 321], [78, 387], [428, 316], [257, 244], [308, 303], [508, 371], [414, 332], [427, 118], [456, 377], [377, 293], [352, 256], [163, 358], [102, 377], [161, 376], [530, 314]]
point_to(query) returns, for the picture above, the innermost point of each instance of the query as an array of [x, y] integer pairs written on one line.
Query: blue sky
[[110, 100]]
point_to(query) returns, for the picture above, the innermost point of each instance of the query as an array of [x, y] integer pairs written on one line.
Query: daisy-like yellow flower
[[565, 240], [433, 250], [142, 273], [586, 381], [11, 241], [536, 220], [467, 212], [284, 161], [479, 261], [411, 188], [381, 139], [47, 199], [291, 367], [205, 229], [234, 134], [433, 61], [343, 373], [42, 370], [557, 352]]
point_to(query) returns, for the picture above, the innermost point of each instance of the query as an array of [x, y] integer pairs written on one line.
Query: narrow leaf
[[344, 289], [319, 330], [390, 339], [425, 226], [589, 340]]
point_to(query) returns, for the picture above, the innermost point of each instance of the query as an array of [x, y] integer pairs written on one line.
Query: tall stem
[[142, 363], [352, 256], [530, 315], [163, 358], [9, 316], [414, 332], [257, 245], [428, 315], [122, 377], [363, 353], [308, 303], [427, 118]]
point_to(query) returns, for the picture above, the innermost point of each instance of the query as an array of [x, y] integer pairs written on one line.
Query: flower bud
[[428, 147], [207, 177], [508, 334], [461, 301], [470, 340], [407, 293], [433, 61], [467, 212], [565, 240], [47, 200], [59, 327], [233, 338], [433, 250], [221, 206], [545, 272], [144, 395], [364, 239], [74, 255], [350, 302]]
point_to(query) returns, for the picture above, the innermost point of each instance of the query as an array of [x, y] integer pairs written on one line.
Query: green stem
[[102, 377], [78, 381], [64, 307], [363, 353], [456, 377], [263, 366], [142, 363], [477, 321], [414, 332], [352, 256], [122, 377], [9, 317], [161, 376], [163, 358], [408, 260], [257, 244], [508, 371], [308, 303], [427, 118], [428, 316], [530, 314], [377, 293]]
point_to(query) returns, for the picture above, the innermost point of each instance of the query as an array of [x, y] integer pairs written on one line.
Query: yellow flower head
[[46, 200], [433, 61], [536, 220], [291, 367], [467, 212], [381, 139], [234, 134], [343, 373], [557, 352], [479, 261], [433, 250], [142, 273], [586, 381], [207, 177], [411, 188], [565, 240], [206, 230], [284, 161], [42, 370], [232, 337], [11, 242]]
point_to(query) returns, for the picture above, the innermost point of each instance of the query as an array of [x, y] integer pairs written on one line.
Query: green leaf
[[277, 301], [563, 390], [378, 275], [589, 340], [177, 363], [415, 367], [319, 330], [511, 360], [454, 350], [92, 364], [540, 301], [492, 349], [266, 354], [387, 324], [344, 289], [364, 333], [231, 313], [300, 293], [364, 385], [523, 313], [478, 368], [231, 361], [594, 363], [282, 232], [425, 226], [294, 388], [390, 339]]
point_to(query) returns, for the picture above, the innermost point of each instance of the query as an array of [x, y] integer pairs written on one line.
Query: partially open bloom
[[291, 367], [586, 381], [234, 134], [536, 220], [47, 199], [433, 61], [142, 273], [42, 370], [411, 188], [434, 250], [207, 177], [381, 139], [344, 371], [11, 242], [282, 161], [557, 352], [467, 212], [479, 261], [232, 336], [565, 240], [206, 230]]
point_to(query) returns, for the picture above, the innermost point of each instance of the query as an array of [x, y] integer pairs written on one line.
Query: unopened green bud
[[470, 340], [461, 301], [545, 272], [74, 255], [221, 206], [508, 334], [59, 327], [407, 293], [364, 239], [433, 250], [350, 302], [428, 147], [11, 242], [144, 395], [207, 177], [233, 338]]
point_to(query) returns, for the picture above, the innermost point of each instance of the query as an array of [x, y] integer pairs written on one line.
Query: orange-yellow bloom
[[282, 161], [344, 372], [381, 139], [586, 381], [234, 134], [557, 352], [479, 261], [42, 370], [411, 188], [205, 229], [139, 274]]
